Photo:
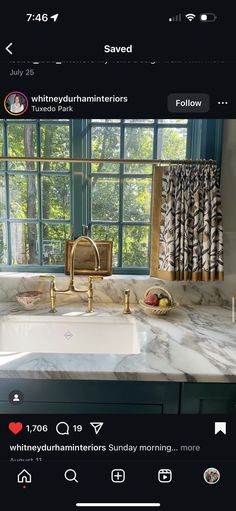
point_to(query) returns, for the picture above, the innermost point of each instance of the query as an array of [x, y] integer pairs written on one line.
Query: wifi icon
[[190, 16]]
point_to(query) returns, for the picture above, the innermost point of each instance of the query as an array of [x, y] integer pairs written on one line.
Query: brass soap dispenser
[[127, 302]]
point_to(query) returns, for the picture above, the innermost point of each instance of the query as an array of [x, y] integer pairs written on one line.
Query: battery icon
[[208, 17]]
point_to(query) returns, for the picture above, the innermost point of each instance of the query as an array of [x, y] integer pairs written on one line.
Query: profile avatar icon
[[211, 475], [16, 397], [16, 103]]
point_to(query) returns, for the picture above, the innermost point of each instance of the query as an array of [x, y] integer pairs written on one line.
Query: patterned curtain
[[189, 235]]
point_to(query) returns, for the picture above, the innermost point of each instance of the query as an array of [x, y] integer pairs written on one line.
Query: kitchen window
[[120, 195], [43, 204]]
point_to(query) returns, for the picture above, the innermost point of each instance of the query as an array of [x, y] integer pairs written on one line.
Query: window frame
[[204, 141], [38, 174], [123, 124]]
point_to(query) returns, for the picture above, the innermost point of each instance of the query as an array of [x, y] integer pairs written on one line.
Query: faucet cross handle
[[47, 277], [95, 277], [52, 280]]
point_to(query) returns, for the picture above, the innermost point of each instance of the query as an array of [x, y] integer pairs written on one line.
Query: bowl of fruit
[[157, 300]]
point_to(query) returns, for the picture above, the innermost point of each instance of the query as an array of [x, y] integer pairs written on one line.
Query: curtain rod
[[97, 160]]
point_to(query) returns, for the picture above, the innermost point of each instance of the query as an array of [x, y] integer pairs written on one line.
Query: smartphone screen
[[117, 258]]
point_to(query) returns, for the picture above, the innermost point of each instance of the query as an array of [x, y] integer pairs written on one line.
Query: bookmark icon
[[220, 427]]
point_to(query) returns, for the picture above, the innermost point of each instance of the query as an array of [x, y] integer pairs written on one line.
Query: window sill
[[27, 275], [59, 270]]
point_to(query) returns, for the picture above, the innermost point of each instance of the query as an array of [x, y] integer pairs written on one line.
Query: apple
[[164, 302], [151, 299]]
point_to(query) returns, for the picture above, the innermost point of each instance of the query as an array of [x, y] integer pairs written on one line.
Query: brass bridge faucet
[[53, 290]]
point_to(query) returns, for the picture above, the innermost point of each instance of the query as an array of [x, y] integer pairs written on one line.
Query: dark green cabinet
[[77, 396], [209, 398]]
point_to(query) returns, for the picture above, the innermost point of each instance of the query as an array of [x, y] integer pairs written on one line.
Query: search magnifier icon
[[70, 475]]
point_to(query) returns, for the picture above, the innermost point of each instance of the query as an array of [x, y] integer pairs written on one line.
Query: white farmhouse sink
[[68, 334]]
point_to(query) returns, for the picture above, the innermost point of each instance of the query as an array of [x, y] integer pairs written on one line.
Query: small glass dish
[[28, 299]]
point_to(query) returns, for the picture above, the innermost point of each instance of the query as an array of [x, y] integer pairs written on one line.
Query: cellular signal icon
[[176, 18]]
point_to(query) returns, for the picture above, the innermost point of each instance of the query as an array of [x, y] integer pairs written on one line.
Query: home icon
[[24, 477]]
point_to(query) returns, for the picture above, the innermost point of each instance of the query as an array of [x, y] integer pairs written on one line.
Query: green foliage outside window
[[36, 198], [121, 194]]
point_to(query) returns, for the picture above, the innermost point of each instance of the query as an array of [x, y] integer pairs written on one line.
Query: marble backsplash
[[111, 289]]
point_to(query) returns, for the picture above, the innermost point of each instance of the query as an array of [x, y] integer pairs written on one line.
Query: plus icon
[[118, 475]]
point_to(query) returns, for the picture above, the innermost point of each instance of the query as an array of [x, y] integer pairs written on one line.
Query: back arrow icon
[[8, 48]]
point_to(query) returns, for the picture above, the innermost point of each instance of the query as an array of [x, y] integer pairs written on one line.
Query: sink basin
[[69, 334]]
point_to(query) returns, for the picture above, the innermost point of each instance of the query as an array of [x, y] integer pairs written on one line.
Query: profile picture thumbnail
[[16, 103], [211, 475]]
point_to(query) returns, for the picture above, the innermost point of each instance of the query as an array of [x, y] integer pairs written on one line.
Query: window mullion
[[121, 194], [8, 226], [77, 170], [155, 135], [39, 184]]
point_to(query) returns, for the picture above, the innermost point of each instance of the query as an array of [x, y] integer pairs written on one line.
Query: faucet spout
[[71, 287], [97, 265]]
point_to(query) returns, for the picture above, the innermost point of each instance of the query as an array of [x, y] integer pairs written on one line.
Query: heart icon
[[15, 427]]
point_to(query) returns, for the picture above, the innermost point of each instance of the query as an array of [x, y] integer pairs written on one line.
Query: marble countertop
[[191, 343]]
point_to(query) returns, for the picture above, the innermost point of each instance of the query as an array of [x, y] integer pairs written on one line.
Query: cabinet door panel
[[97, 396], [212, 398]]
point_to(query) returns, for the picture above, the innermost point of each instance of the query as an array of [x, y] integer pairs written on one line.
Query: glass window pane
[[54, 237], [23, 196], [2, 163], [105, 199], [3, 244], [172, 121], [55, 143], [105, 167], [135, 168], [110, 233], [105, 142], [61, 121], [138, 145], [137, 200], [135, 246], [105, 120], [56, 197], [171, 143], [24, 202], [21, 142], [139, 120], [2, 197], [24, 243]]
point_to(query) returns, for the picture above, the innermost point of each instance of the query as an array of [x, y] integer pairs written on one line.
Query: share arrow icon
[[97, 426]]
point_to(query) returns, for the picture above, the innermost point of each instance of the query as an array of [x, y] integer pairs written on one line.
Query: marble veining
[[192, 343], [111, 289]]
